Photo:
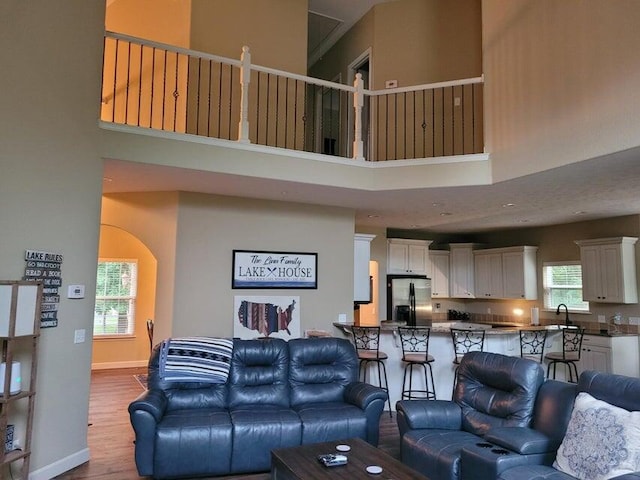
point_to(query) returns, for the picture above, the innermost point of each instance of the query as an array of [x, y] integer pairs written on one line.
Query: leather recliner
[[492, 391], [278, 394]]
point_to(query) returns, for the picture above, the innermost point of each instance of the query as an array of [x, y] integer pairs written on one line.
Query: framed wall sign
[[260, 269]]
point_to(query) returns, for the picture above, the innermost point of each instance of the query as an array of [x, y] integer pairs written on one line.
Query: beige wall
[[164, 21], [117, 244], [151, 218], [192, 237], [412, 41], [427, 41], [561, 81], [274, 30], [211, 227], [50, 195]]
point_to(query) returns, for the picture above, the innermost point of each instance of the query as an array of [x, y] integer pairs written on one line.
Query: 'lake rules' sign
[[255, 269], [46, 267]]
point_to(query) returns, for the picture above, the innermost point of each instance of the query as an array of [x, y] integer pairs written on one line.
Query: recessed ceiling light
[[523, 220], [373, 216], [414, 226], [445, 214], [579, 212], [507, 205], [436, 204], [107, 179]]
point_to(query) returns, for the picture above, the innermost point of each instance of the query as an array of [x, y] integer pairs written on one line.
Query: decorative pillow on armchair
[[602, 441]]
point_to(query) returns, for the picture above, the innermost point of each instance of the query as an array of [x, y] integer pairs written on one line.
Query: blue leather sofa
[[278, 394], [475, 437]]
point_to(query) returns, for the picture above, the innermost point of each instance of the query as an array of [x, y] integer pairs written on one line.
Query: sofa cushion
[[258, 429], [320, 369], [324, 422], [259, 373], [436, 452], [193, 442], [602, 440]]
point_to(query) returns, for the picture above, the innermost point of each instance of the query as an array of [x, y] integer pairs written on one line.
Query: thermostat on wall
[[75, 291]]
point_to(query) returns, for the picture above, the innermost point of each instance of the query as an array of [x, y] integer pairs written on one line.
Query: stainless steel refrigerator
[[409, 299]]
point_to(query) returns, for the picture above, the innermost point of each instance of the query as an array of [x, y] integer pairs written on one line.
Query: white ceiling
[[599, 188]]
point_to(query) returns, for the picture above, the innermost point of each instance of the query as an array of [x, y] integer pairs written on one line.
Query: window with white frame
[[116, 287], [563, 284]]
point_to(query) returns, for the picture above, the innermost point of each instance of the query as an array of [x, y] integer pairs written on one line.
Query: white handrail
[[426, 86]]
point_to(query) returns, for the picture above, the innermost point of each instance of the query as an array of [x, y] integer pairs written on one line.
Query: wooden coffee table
[[300, 463]]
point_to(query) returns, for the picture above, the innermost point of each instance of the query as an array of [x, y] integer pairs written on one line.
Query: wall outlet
[[602, 319], [634, 320], [488, 310], [342, 317]]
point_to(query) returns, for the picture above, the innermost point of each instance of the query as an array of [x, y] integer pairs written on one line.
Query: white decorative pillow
[[602, 441]]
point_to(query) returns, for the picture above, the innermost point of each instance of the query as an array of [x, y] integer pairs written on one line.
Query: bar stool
[[570, 354], [532, 344], [415, 353], [465, 340], [367, 343]]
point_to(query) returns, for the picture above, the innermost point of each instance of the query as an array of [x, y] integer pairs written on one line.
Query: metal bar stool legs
[[415, 353], [367, 343]]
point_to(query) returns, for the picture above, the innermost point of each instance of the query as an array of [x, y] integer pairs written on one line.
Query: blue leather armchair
[[278, 394], [492, 391]]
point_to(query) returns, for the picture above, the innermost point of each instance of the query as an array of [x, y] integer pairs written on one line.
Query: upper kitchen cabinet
[[609, 270], [488, 274], [461, 270], [361, 277], [439, 273], [506, 273], [408, 256]]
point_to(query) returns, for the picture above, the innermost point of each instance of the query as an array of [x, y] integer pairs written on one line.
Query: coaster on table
[[374, 469], [343, 448]]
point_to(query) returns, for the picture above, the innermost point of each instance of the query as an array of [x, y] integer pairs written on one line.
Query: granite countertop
[[492, 329]]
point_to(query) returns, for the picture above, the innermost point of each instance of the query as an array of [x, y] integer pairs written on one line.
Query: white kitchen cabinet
[[609, 270], [361, 257], [617, 355], [488, 274], [408, 256], [519, 274], [461, 270], [506, 273], [439, 273]]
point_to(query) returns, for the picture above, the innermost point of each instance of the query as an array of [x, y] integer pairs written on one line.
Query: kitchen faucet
[[566, 310]]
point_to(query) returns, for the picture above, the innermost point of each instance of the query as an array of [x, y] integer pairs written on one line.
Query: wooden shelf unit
[[20, 306]]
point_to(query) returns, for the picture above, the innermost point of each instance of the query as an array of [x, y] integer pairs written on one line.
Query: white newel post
[[245, 79], [358, 103]]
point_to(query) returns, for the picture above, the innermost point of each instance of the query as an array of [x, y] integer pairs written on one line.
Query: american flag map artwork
[[269, 316]]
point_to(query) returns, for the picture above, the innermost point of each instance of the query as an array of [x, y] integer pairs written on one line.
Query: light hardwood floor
[[111, 437]]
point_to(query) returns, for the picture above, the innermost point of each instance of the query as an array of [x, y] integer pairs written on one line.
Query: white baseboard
[[61, 466], [111, 365]]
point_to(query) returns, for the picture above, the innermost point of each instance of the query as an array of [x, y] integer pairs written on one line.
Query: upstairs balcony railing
[[158, 86]]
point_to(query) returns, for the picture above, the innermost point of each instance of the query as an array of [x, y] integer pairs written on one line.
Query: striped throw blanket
[[196, 359]]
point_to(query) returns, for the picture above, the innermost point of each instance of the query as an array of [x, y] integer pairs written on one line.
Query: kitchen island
[[503, 339]]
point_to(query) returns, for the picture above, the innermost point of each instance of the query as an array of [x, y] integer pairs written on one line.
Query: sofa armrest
[[417, 414], [522, 440], [362, 394], [151, 401], [145, 412]]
